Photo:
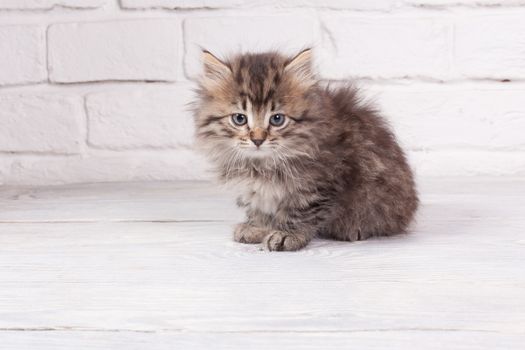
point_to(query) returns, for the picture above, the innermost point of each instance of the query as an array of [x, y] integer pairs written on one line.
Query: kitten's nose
[[257, 142], [258, 136]]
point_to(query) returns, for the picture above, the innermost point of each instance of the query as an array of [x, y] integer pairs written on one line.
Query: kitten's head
[[256, 107]]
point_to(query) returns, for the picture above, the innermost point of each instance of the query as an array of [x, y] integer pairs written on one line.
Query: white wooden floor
[[152, 266]]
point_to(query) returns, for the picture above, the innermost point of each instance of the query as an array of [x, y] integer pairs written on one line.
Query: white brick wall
[[96, 90], [48, 4], [41, 123], [491, 46], [143, 117], [22, 54], [113, 50]]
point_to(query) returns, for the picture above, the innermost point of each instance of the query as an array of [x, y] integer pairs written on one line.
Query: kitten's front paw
[[245, 233], [284, 241]]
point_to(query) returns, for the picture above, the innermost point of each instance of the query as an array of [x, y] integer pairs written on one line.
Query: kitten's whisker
[[288, 170], [296, 152]]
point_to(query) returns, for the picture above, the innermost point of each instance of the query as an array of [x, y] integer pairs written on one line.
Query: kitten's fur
[[334, 169]]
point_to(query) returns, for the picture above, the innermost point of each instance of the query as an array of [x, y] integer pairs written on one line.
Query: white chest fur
[[263, 195]]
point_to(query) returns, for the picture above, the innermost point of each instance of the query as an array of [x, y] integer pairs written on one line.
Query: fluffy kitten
[[309, 160]]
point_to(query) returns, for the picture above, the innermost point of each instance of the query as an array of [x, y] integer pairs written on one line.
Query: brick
[[385, 47], [48, 4], [471, 3], [491, 46], [41, 123], [228, 35], [181, 4], [145, 117], [103, 167], [455, 117], [342, 4], [119, 50], [22, 55], [375, 5]]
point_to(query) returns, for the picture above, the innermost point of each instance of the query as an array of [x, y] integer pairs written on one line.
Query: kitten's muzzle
[[258, 135]]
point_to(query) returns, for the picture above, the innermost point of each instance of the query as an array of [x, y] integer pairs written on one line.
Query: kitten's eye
[[239, 119], [277, 119]]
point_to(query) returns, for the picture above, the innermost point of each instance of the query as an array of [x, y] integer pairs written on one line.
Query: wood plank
[[373, 340], [164, 201], [106, 266], [200, 201], [191, 276]]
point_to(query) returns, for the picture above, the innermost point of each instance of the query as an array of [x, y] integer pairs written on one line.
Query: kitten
[[309, 160]]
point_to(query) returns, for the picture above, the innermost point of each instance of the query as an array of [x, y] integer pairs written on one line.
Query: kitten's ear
[[301, 65], [214, 68]]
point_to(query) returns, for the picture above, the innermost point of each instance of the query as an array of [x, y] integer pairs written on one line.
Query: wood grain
[[373, 339], [152, 266]]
